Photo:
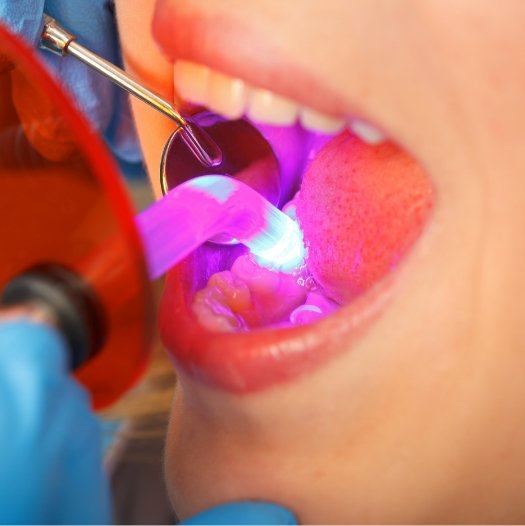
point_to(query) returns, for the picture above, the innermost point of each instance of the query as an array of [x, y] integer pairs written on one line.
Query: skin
[[423, 421]]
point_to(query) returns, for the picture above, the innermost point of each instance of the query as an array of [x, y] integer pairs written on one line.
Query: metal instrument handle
[[56, 39]]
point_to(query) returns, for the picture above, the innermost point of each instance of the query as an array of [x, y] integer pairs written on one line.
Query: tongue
[[361, 208]]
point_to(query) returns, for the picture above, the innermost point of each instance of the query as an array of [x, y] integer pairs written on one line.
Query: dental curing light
[[213, 205], [70, 253], [73, 255]]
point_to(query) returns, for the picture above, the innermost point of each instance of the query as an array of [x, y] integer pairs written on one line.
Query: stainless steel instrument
[[56, 39]]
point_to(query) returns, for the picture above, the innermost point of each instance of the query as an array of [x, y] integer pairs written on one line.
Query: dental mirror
[[246, 155]]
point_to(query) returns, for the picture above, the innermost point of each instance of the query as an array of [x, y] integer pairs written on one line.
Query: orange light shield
[[62, 201]]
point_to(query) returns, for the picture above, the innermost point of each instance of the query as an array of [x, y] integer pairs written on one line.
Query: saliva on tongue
[[360, 208]]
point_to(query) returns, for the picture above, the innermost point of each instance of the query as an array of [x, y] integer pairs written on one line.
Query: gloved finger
[[94, 25], [24, 17], [28, 351], [41, 120], [48, 434], [85, 494], [121, 135], [25, 345], [244, 512]]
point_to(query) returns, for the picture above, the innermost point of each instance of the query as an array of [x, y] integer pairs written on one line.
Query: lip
[[251, 361], [205, 38], [247, 362]]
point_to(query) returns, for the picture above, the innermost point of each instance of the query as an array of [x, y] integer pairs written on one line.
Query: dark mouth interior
[[348, 183]]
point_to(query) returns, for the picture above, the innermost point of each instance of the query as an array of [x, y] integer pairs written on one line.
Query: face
[[406, 402]]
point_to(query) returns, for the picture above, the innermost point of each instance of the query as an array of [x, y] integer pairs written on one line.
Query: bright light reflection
[[281, 246]]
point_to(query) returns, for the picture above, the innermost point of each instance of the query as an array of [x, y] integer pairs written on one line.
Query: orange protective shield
[[62, 201]]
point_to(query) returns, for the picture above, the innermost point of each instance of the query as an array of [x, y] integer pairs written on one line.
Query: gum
[[250, 296]]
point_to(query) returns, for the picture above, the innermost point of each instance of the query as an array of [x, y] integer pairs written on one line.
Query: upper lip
[[207, 39], [244, 362]]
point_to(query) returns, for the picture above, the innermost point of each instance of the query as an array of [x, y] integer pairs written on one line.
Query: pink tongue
[[361, 208]]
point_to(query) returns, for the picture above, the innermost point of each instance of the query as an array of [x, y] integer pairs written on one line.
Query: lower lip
[[243, 363]]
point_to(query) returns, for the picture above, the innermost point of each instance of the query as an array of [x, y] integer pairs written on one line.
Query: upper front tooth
[[232, 97], [366, 132], [191, 81], [320, 122], [267, 107], [227, 95]]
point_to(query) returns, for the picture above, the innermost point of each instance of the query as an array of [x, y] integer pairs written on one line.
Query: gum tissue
[[249, 296]]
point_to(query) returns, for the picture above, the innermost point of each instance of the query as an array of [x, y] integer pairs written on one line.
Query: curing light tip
[[202, 208]]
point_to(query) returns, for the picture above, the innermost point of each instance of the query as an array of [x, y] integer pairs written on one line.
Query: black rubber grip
[[72, 304]]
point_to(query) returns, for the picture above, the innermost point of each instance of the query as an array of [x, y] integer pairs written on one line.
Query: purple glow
[[201, 208], [294, 147]]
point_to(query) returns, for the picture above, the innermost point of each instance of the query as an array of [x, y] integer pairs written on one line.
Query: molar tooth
[[305, 314], [320, 122], [267, 107], [191, 81], [227, 95], [367, 132], [235, 291], [212, 311]]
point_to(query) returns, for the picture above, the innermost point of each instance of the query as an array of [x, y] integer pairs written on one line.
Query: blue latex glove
[[245, 512], [93, 22], [50, 444]]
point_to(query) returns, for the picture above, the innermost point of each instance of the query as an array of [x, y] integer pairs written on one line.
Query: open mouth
[[361, 201]]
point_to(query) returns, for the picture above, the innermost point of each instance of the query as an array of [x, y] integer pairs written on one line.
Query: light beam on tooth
[[207, 206]]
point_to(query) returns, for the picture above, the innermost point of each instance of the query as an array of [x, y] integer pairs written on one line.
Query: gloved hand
[[244, 512], [50, 444], [93, 22]]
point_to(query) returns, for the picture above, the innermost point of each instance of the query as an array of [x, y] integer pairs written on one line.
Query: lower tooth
[[315, 307], [209, 318], [235, 292], [305, 314], [249, 296], [366, 132], [212, 310], [319, 122]]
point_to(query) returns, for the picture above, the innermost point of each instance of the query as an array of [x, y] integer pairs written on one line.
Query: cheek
[[144, 60], [361, 208]]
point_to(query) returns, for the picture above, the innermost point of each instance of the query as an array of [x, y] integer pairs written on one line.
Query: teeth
[[270, 108], [232, 98], [366, 132], [235, 292], [213, 312], [191, 81], [226, 95], [315, 121]]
